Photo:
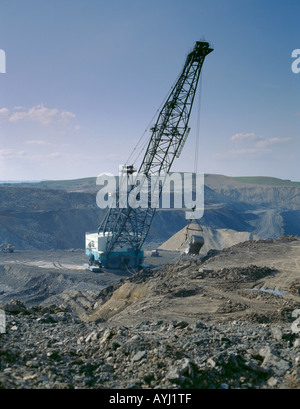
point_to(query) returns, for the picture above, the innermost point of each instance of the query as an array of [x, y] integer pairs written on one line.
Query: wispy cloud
[[38, 113], [272, 142], [6, 154], [54, 154], [254, 145], [244, 137], [10, 154], [4, 113], [37, 142], [65, 116], [249, 152]]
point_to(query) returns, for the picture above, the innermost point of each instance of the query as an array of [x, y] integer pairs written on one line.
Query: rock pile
[[48, 348], [219, 323], [249, 273]]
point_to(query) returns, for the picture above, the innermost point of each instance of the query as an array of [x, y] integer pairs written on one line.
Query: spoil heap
[[217, 239]]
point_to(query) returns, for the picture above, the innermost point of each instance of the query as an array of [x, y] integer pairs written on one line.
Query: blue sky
[[84, 78]]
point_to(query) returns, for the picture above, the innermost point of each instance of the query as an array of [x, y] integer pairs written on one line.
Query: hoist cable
[[198, 127]]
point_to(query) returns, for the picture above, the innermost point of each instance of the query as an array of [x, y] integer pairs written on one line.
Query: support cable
[[198, 127]]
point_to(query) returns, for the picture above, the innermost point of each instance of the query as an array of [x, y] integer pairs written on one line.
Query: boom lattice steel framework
[[129, 226]]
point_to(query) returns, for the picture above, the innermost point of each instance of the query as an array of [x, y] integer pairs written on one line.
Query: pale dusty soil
[[217, 290]]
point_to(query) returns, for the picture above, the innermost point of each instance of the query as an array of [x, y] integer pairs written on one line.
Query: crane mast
[[127, 227]]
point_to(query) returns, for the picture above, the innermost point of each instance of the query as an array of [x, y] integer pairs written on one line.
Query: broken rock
[[273, 362]]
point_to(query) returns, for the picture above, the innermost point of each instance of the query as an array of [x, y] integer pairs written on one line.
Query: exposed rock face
[[262, 191], [56, 215], [32, 218]]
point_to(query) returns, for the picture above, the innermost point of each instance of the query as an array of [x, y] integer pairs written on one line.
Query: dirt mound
[[217, 239], [239, 274]]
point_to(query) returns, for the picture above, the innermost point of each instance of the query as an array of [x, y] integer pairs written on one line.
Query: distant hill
[[265, 181], [56, 214], [83, 184], [89, 183]]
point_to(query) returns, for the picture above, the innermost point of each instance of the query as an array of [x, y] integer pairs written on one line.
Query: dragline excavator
[[122, 232]]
